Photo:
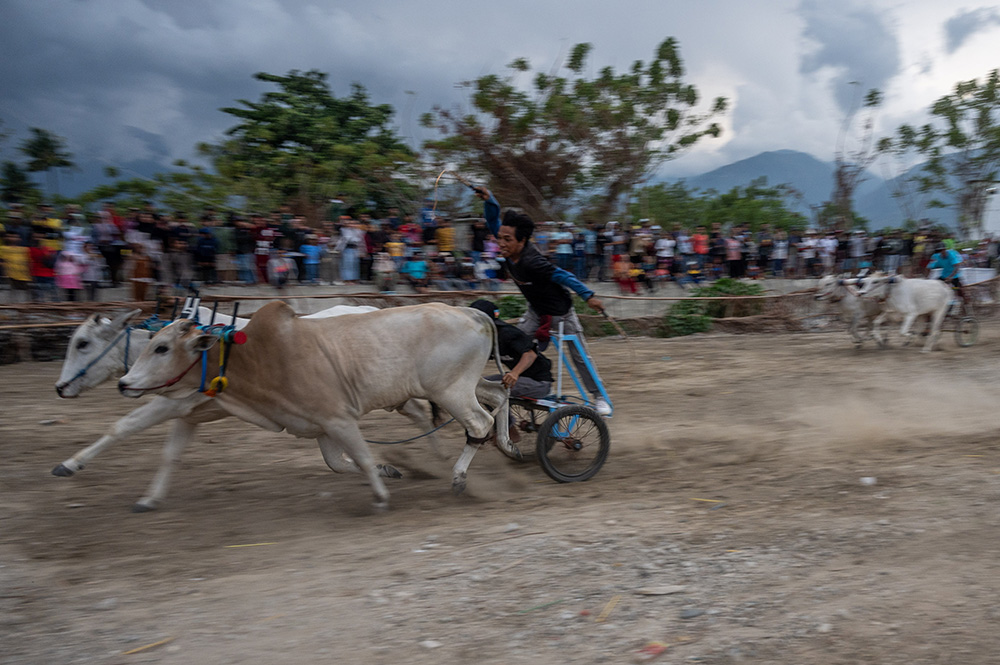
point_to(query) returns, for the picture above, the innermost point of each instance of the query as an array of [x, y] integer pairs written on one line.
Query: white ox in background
[[315, 379], [855, 308], [910, 298], [82, 370]]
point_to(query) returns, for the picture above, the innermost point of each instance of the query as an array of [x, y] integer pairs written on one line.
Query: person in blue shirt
[[543, 285], [312, 253], [949, 262], [415, 270]]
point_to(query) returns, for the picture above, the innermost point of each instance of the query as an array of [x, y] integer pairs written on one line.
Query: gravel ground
[[773, 499]]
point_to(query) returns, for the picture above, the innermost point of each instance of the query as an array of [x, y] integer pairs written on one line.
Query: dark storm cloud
[[856, 43], [87, 70], [960, 27]]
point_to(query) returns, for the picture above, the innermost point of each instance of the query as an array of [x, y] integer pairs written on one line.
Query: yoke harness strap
[[228, 337]]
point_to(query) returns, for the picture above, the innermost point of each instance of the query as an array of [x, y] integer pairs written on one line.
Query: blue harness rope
[[127, 333]]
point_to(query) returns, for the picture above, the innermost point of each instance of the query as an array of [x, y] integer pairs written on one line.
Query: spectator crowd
[[68, 255]]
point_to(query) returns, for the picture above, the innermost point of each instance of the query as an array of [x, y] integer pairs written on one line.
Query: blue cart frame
[[573, 441]]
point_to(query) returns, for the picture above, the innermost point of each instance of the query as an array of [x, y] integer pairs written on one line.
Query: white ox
[[910, 298], [855, 308], [85, 368], [315, 379]]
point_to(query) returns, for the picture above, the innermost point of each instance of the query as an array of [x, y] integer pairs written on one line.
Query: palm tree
[[15, 185], [46, 152]]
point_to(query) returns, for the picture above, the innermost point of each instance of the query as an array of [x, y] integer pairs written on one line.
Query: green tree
[[668, 204], [961, 146], [16, 186], [564, 141], [46, 152], [189, 191], [302, 145], [753, 205]]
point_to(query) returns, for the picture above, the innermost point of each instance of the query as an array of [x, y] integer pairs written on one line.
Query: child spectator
[[93, 270], [280, 269], [384, 270], [396, 248], [43, 261], [69, 273], [312, 253], [623, 274], [415, 271]]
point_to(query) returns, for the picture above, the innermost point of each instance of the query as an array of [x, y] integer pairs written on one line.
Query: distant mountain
[[810, 176], [813, 178]]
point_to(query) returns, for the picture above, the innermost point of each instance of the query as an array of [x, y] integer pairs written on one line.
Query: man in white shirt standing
[[807, 252], [828, 252], [665, 247]]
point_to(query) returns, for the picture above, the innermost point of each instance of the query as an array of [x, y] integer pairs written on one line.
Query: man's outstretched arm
[[491, 209]]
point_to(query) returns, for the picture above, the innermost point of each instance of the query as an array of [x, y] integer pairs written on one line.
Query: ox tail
[[436, 418], [496, 347]]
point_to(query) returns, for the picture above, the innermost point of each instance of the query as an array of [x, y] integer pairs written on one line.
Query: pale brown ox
[[316, 378]]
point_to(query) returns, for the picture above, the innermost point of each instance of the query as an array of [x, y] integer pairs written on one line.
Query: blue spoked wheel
[[573, 444]]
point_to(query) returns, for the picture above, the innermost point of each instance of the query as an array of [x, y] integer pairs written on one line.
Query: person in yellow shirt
[[51, 226], [445, 236], [396, 248], [16, 265]]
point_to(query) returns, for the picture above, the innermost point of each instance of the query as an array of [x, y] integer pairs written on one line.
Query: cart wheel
[[526, 421], [967, 331], [573, 444]]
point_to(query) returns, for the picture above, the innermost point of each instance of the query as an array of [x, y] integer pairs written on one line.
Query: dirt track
[[734, 474]]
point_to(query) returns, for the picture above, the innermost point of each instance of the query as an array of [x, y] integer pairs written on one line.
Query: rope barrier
[[82, 308]]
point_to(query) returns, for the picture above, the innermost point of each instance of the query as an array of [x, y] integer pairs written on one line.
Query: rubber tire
[[545, 443], [967, 331]]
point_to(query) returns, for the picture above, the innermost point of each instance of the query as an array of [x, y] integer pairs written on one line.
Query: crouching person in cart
[[530, 372]]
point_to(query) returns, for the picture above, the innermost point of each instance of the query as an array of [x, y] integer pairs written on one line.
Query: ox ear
[[123, 318], [202, 342]]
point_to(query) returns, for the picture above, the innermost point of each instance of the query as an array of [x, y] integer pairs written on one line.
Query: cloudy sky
[[128, 81]]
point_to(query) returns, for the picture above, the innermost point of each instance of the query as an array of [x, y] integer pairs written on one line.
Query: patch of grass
[[512, 307], [687, 317], [690, 316], [726, 286]]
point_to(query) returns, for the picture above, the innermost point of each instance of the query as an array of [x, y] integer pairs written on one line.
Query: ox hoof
[[381, 506], [512, 451], [143, 507], [458, 484], [62, 471], [389, 471]]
